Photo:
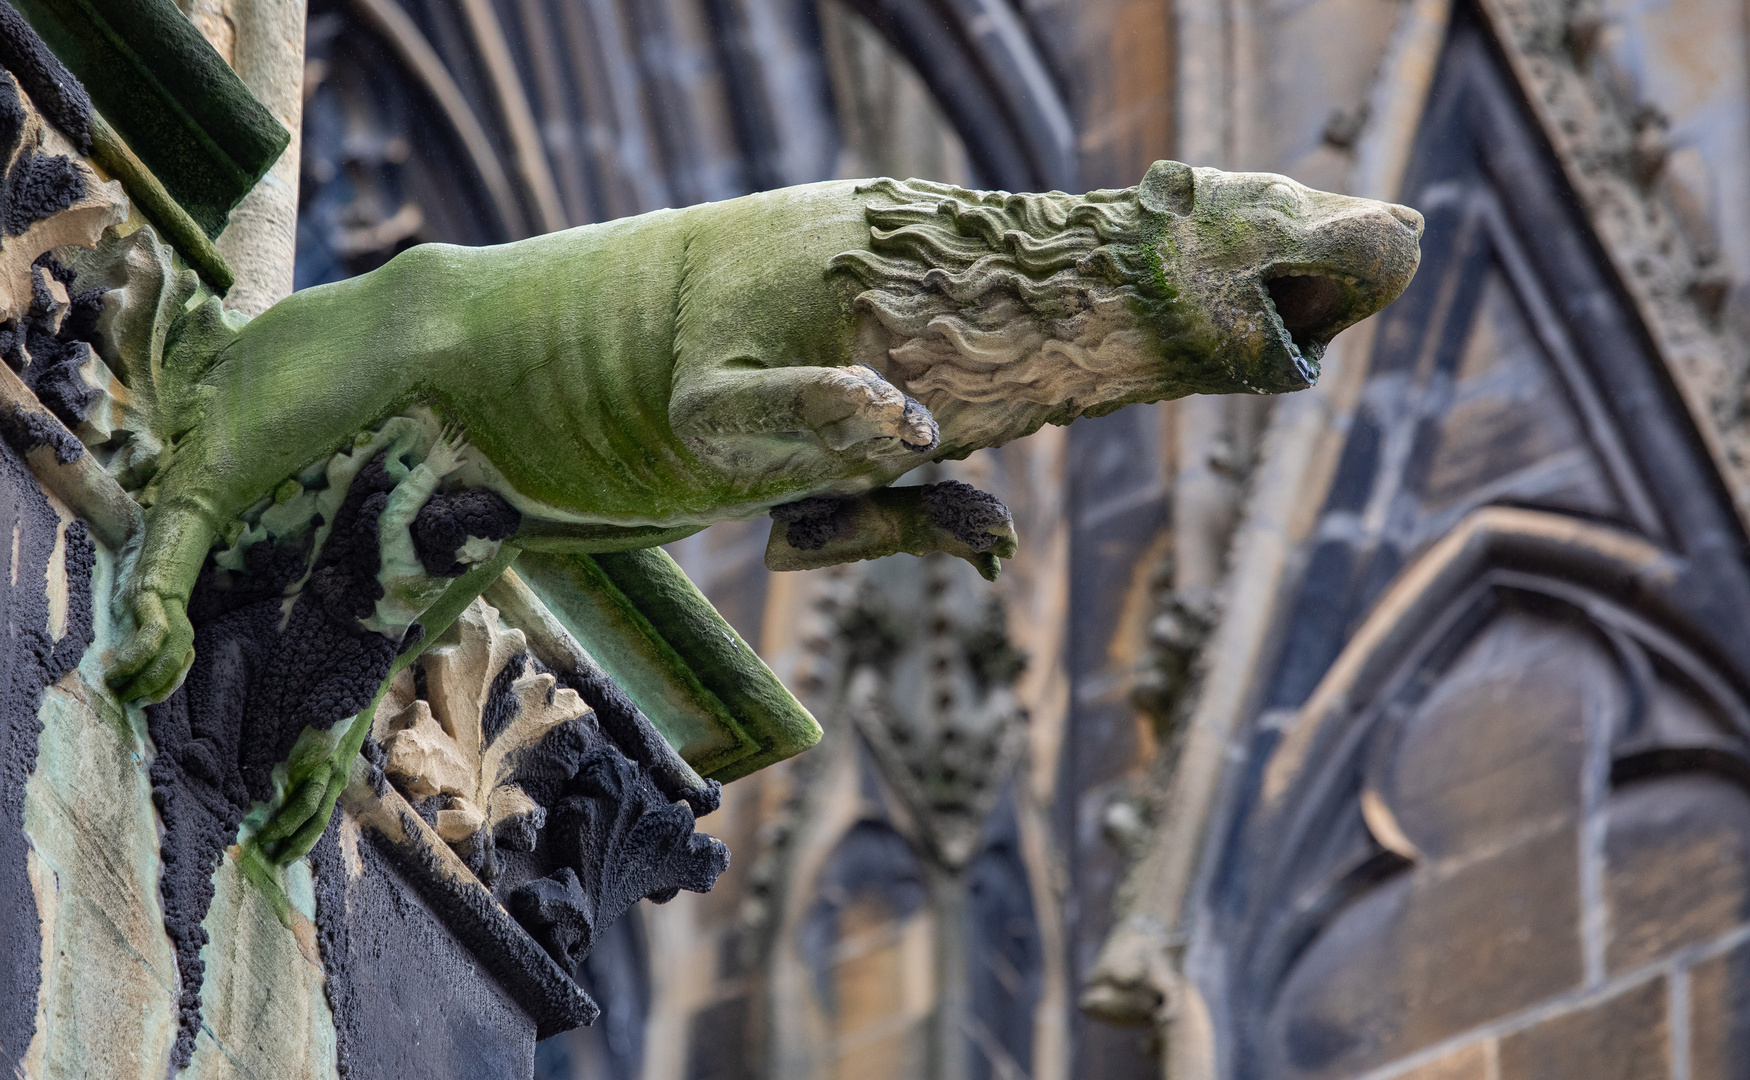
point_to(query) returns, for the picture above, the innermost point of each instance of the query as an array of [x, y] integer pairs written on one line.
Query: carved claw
[[160, 653], [918, 431], [299, 807], [293, 831], [879, 413], [445, 455], [988, 563]]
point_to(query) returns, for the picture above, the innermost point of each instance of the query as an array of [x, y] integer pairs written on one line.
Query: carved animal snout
[[1411, 218], [1344, 259], [1371, 248]]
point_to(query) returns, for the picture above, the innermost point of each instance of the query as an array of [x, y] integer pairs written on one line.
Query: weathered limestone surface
[[94, 862], [1471, 1063], [1625, 1035], [262, 1002], [107, 1007], [1719, 1015]]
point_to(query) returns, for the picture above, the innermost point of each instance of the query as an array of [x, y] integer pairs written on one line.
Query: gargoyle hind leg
[[314, 782], [951, 517]]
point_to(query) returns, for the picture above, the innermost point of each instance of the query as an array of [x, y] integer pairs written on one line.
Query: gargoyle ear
[[1169, 187]]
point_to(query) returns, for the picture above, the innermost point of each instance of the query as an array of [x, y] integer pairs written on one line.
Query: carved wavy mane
[[1011, 309]]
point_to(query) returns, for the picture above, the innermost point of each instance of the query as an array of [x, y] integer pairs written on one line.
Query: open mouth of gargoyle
[[1310, 307]]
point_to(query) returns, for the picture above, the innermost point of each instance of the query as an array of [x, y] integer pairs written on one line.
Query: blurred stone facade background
[[1395, 729]]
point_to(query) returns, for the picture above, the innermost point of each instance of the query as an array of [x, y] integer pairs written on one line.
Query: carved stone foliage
[[454, 728], [906, 832], [629, 842], [1168, 677], [1616, 151], [50, 199], [931, 673], [516, 774]]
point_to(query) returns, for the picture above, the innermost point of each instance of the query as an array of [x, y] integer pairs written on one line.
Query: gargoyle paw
[[445, 455], [294, 829], [918, 431], [160, 653], [880, 414]]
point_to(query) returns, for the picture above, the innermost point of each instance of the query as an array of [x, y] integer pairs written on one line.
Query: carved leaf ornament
[[931, 688], [457, 747], [470, 723], [632, 843], [60, 200]]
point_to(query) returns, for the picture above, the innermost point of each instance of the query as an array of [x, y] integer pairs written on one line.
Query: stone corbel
[[519, 964], [541, 816]]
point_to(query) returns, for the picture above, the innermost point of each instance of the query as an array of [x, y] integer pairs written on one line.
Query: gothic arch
[[1508, 667], [1562, 641], [475, 122]]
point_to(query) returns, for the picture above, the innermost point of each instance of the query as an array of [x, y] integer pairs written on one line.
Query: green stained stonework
[[630, 383], [180, 107], [661, 640], [627, 384]]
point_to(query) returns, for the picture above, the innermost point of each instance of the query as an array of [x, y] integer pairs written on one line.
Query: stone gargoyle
[[793, 353]]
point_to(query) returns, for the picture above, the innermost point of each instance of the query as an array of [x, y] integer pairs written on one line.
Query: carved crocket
[[627, 384]]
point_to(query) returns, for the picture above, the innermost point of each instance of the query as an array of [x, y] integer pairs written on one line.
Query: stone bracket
[[514, 958]]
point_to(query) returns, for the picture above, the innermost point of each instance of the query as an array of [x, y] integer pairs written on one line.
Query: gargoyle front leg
[[161, 649], [950, 517], [844, 407]]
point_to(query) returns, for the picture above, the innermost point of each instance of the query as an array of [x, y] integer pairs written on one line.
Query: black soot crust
[[32, 660], [810, 524], [52, 88], [50, 358], [25, 431], [448, 519], [966, 512], [253, 688]]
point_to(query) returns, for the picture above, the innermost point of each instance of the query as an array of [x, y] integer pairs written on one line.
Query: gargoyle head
[[1004, 311], [1264, 271]]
